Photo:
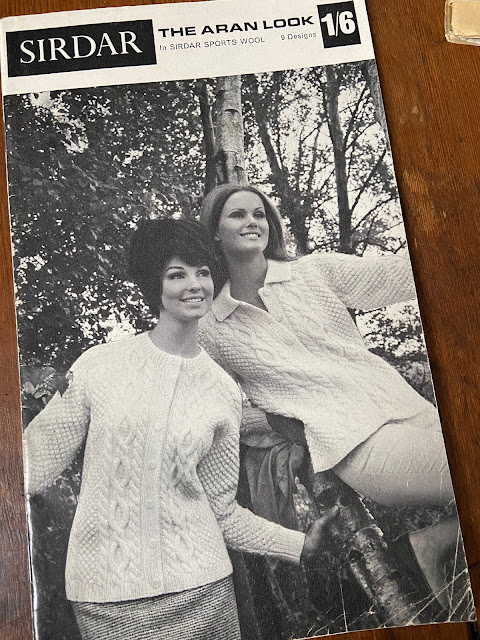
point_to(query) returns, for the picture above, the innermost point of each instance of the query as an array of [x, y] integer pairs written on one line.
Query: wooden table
[[431, 90]]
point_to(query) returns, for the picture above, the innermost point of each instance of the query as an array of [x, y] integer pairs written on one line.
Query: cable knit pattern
[[160, 473], [305, 358]]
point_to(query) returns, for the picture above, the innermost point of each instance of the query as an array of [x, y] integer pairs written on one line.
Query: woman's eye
[[205, 273], [175, 276], [236, 214], [260, 214]]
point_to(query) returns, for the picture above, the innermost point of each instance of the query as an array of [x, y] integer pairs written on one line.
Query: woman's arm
[[364, 283], [242, 530], [207, 339], [254, 420], [55, 434]]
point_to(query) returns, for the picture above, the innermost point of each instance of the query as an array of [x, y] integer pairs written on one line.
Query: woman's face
[[187, 292], [243, 225]]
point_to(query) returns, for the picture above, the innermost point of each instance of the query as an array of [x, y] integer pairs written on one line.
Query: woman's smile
[[195, 300]]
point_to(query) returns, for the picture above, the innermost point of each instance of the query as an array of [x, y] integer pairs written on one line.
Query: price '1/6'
[[343, 22]]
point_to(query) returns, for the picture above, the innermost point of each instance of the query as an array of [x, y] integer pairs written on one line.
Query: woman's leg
[[402, 464], [433, 546]]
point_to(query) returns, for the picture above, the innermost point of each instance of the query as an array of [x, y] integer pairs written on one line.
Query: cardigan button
[[151, 465], [149, 504]]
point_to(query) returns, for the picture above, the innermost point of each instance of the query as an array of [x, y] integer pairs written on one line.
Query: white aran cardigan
[[160, 473], [305, 357]]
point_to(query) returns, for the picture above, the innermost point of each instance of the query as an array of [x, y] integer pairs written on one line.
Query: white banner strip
[[192, 40]]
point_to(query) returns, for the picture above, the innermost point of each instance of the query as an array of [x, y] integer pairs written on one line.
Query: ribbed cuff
[[253, 421], [289, 545]]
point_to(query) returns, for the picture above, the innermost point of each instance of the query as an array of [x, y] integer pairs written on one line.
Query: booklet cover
[[264, 121]]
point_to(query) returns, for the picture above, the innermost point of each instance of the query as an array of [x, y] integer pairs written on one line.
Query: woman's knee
[[399, 467], [409, 491]]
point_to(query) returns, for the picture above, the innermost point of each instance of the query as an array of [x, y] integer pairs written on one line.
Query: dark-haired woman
[[283, 328], [146, 556]]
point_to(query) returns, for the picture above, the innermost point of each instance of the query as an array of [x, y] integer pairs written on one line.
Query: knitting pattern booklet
[[119, 115]]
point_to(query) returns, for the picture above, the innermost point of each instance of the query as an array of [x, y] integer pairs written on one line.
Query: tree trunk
[[331, 93], [369, 72], [208, 134], [361, 547], [229, 156]]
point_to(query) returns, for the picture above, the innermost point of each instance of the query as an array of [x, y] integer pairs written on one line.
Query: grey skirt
[[205, 613]]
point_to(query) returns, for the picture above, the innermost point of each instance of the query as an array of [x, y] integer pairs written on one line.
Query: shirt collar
[[278, 271], [224, 304]]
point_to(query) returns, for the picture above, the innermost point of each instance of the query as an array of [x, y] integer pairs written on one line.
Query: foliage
[[84, 167], [400, 342]]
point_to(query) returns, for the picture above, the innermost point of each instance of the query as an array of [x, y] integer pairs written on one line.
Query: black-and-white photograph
[[230, 424]]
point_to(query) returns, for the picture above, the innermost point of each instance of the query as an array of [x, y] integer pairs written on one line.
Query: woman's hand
[[315, 537]]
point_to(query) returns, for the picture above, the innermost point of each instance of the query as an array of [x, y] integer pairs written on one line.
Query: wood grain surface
[[431, 90]]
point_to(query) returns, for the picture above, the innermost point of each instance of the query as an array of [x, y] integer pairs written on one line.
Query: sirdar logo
[[80, 47]]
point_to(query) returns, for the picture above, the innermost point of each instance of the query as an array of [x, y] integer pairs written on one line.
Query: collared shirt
[[305, 358]]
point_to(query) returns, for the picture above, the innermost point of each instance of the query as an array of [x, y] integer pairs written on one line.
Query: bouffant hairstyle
[[156, 242], [215, 201]]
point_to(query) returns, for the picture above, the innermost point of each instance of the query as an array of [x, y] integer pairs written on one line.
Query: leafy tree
[[84, 167]]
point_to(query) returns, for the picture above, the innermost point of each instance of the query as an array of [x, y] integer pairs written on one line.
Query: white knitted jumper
[[305, 358], [160, 473]]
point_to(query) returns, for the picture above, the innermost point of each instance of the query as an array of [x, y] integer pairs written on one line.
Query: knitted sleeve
[[56, 433], [365, 283], [254, 421], [242, 530], [208, 339]]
